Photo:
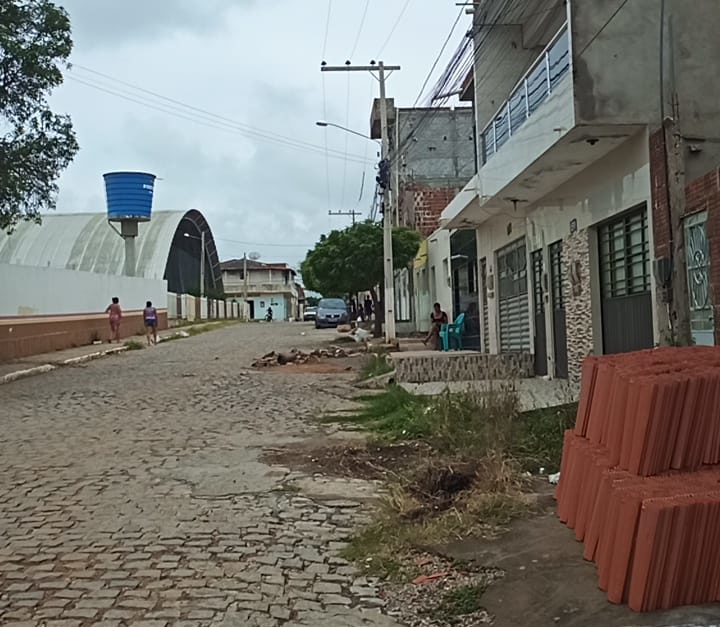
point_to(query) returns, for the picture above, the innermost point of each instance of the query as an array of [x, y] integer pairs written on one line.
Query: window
[[624, 255]]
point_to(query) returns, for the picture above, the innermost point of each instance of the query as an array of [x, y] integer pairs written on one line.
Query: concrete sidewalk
[[46, 362]]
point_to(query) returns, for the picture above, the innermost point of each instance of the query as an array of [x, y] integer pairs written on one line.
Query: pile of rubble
[[299, 357]]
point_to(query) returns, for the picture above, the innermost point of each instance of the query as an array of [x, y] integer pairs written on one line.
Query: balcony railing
[[529, 94]]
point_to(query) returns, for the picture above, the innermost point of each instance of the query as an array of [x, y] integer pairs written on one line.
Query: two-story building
[[567, 97], [268, 285]]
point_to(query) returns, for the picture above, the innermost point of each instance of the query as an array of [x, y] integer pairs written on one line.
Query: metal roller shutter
[[514, 314]]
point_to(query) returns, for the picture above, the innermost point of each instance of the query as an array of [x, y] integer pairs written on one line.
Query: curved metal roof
[[87, 242]]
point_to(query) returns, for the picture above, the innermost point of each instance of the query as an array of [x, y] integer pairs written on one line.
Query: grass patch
[[538, 437], [460, 602], [473, 481], [375, 365], [134, 345]]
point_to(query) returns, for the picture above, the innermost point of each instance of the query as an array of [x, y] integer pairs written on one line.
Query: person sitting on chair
[[437, 319]]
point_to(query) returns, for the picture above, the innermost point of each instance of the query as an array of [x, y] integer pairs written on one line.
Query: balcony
[[529, 95], [534, 143]]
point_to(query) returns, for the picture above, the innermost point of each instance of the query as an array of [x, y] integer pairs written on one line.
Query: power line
[[394, 27], [187, 112], [360, 29], [267, 244], [602, 28], [327, 28]]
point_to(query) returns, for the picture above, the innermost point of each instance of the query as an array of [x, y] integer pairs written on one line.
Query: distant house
[[268, 285]]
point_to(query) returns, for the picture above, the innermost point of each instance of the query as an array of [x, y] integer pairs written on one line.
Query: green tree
[[35, 143], [351, 261]]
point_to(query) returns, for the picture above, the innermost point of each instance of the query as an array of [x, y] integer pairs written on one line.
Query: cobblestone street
[[132, 493]]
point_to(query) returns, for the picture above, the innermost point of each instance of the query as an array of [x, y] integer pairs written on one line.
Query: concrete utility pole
[[352, 214], [245, 285], [389, 292], [675, 169]]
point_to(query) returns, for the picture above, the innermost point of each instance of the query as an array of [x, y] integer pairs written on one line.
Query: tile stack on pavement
[[640, 476]]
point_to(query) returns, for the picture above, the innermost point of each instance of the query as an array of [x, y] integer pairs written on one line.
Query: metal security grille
[[697, 252], [513, 298], [624, 256], [539, 312], [625, 283], [557, 278], [485, 323]]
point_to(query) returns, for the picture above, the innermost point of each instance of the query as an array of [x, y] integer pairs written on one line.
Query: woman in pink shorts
[[115, 314]]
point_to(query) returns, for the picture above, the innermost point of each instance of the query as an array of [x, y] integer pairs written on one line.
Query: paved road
[[131, 493]]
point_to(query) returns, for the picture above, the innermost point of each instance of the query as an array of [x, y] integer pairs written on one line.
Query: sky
[[234, 73]]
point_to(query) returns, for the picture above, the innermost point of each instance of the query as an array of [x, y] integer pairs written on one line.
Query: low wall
[[437, 366], [22, 336], [30, 291]]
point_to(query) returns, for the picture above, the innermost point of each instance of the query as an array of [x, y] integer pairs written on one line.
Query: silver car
[[331, 312]]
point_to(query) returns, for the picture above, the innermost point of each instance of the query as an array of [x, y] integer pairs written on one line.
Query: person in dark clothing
[[437, 319], [368, 308]]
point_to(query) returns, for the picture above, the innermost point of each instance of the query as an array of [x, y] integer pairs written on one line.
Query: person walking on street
[[114, 312], [368, 307], [150, 318]]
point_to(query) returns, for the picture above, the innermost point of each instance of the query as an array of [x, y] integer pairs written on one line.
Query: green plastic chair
[[452, 333]]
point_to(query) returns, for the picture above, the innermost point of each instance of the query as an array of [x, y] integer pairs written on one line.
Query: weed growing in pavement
[[375, 365], [134, 345], [474, 479], [459, 602]]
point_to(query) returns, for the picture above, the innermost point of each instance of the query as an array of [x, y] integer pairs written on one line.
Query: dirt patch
[[547, 578], [367, 461], [319, 367]]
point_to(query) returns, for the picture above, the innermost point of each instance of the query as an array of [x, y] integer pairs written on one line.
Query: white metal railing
[[529, 94]]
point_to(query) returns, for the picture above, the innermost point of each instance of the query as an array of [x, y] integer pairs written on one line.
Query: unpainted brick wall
[[428, 204], [702, 194]]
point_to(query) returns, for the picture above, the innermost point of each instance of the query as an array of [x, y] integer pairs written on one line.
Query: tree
[[351, 261], [35, 143]]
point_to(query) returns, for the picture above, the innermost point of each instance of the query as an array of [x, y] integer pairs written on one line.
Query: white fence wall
[[27, 291]]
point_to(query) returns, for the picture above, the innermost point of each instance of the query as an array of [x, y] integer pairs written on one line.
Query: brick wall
[[423, 204], [23, 336], [702, 194]]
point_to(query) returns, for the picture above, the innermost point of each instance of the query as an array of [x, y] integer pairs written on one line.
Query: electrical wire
[[360, 29], [267, 244], [189, 113], [327, 29], [394, 27]]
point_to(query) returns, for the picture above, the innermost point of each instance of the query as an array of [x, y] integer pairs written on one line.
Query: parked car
[[309, 314], [331, 312]]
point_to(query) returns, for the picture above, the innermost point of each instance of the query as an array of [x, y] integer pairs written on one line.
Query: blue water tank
[[129, 195]]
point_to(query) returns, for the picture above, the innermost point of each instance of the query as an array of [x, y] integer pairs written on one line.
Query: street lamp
[[202, 259], [325, 124]]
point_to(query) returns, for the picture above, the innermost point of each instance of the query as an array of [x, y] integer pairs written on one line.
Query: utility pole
[[245, 286], [352, 214], [389, 292], [675, 170], [202, 264]]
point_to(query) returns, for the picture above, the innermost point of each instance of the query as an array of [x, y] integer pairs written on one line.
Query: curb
[[91, 356], [22, 374], [36, 370]]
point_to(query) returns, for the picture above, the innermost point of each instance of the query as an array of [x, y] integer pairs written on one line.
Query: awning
[[422, 256]]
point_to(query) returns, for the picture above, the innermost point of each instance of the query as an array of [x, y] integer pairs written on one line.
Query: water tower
[[129, 198]]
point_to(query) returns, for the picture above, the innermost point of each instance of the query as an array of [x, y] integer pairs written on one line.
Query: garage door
[[513, 314], [625, 283]]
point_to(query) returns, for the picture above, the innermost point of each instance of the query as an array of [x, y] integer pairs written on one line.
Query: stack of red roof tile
[[640, 480]]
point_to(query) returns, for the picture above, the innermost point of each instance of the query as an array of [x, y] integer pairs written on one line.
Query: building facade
[[565, 202], [269, 285]]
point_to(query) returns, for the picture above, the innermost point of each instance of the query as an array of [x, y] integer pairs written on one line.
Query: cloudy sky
[[243, 65]]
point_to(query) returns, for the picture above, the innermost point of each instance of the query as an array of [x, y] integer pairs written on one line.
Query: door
[[702, 322], [557, 278], [625, 283], [513, 314], [539, 312], [484, 295]]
